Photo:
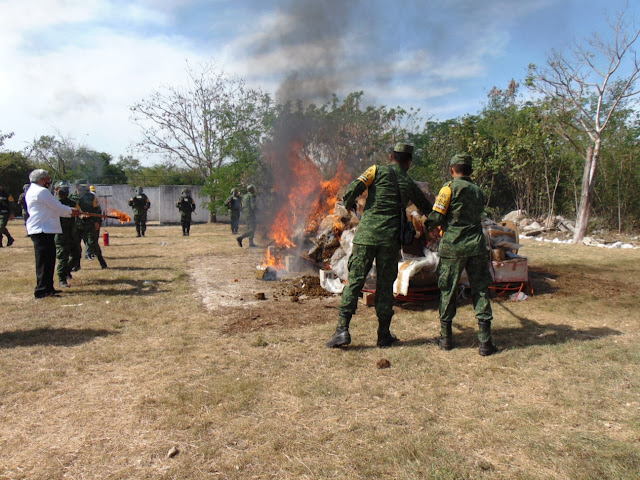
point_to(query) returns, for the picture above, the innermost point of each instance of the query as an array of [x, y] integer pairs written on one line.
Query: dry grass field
[[169, 348]]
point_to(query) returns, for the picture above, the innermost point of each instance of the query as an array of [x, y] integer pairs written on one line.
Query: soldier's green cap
[[250, 187], [81, 181], [403, 148], [461, 159]]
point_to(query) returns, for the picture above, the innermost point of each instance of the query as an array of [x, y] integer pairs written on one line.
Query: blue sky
[[75, 67]]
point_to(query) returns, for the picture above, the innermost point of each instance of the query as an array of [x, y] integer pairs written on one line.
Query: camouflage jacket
[[68, 224], [87, 202], [6, 202], [380, 223], [139, 204], [458, 211], [249, 205], [186, 205]]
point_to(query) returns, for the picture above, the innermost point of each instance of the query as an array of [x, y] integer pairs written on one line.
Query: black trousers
[[44, 246]]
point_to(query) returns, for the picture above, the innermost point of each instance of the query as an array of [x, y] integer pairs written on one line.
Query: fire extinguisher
[[105, 238]]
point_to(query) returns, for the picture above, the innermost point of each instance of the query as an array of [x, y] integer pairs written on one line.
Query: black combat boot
[[103, 264], [341, 337], [10, 240], [138, 231], [385, 337], [484, 335], [239, 240], [446, 340]]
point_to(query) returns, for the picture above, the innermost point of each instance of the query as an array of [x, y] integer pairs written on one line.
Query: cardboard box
[[516, 270]]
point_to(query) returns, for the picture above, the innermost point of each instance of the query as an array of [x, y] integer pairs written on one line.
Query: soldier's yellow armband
[[443, 199], [368, 176], [10, 198]]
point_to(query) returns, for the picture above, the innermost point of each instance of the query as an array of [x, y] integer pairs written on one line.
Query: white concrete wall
[[163, 202]]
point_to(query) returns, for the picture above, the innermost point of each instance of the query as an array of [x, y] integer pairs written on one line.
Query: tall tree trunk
[[212, 214], [586, 196]]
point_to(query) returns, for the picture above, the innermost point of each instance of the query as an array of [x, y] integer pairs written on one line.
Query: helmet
[[63, 186], [234, 191], [92, 188], [186, 192], [251, 188], [138, 190], [25, 187]]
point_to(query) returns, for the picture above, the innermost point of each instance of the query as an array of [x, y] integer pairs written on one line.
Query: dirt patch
[[227, 285], [571, 281]]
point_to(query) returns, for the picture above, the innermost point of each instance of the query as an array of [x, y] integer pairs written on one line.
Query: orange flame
[[122, 217], [272, 261]]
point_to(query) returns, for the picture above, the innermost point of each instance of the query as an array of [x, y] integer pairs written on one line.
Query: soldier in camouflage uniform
[[87, 226], [186, 205], [378, 238], [458, 211], [234, 204], [22, 202], [6, 206], [140, 204], [249, 205], [65, 241]]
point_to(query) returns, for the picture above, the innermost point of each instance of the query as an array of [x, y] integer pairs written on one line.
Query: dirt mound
[[307, 286]]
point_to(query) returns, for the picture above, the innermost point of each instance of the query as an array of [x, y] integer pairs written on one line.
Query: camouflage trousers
[[235, 220], [4, 220], [250, 231], [185, 221], [89, 236], [360, 262], [67, 248], [141, 223], [449, 272]]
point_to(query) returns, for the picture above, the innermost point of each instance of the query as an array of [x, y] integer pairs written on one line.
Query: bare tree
[[57, 152], [584, 90], [204, 124]]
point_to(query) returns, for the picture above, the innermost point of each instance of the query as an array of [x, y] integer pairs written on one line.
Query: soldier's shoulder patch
[[368, 176], [443, 199]]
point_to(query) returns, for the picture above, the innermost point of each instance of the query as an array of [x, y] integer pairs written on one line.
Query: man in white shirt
[[42, 225]]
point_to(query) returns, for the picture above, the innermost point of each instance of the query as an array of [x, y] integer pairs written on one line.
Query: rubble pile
[[558, 229]]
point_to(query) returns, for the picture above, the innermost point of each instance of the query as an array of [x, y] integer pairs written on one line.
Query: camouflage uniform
[[23, 203], [458, 211], [87, 226], [67, 240], [249, 206], [186, 205], [234, 204], [6, 205], [140, 204], [377, 238]]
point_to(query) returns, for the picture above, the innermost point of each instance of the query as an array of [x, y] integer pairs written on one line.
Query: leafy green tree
[[14, 172]]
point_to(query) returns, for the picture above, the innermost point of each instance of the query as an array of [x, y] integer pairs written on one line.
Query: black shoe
[[64, 284], [138, 235], [239, 240], [103, 264], [385, 341], [253, 245], [69, 276], [339, 339], [10, 241], [446, 343], [75, 269], [487, 348]]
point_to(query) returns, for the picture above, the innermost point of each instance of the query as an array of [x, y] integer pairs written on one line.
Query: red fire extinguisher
[[105, 238]]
